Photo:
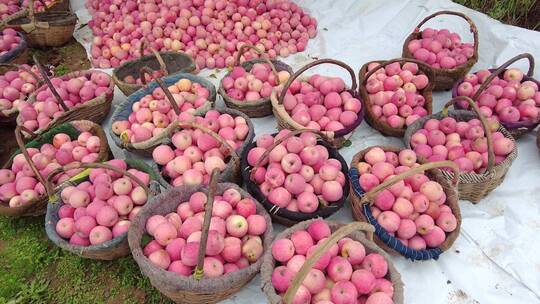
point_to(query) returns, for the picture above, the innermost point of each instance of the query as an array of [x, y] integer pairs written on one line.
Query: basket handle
[[491, 154], [246, 47], [24, 151], [370, 195], [284, 138], [309, 66], [170, 98], [324, 247], [198, 273], [472, 26], [502, 68], [21, 67], [79, 165], [425, 69], [162, 65], [49, 83]]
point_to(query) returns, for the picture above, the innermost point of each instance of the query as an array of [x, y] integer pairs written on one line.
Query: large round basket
[[18, 55], [123, 111], [357, 231], [110, 250], [362, 201], [517, 129], [338, 138], [445, 78], [194, 289], [472, 186], [282, 215], [73, 129], [263, 106], [372, 120]]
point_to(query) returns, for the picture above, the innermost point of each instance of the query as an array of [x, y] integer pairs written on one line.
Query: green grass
[[524, 13], [35, 271]]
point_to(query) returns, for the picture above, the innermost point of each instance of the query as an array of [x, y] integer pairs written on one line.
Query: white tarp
[[496, 258]]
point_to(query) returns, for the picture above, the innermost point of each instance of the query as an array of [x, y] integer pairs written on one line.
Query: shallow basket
[[472, 186], [73, 129], [371, 119], [263, 106], [110, 250], [517, 129], [338, 138], [18, 55], [445, 78], [357, 231], [190, 289], [124, 109], [361, 211], [284, 216]]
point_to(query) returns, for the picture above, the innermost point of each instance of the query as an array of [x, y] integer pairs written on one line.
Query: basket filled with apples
[[200, 244], [395, 93], [14, 47], [450, 58], [128, 77], [413, 207], [22, 178], [80, 95], [316, 261], [90, 214], [296, 175], [482, 148], [320, 103], [507, 94], [248, 86], [145, 119]]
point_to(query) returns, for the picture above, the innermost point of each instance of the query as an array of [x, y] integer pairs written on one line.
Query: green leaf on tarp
[[347, 143]]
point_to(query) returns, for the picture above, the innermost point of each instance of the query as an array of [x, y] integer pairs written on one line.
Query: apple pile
[[509, 99], [254, 84], [211, 32], [193, 154], [441, 49], [8, 7], [73, 91], [413, 210], [234, 237], [19, 185], [40, 6], [132, 80], [153, 113], [16, 86], [344, 274], [102, 208], [321, 103], [463, 142], [9, 40], [298, 174], [396, 93]]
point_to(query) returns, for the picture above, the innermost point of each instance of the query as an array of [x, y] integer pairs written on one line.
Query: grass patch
[[524, 13]]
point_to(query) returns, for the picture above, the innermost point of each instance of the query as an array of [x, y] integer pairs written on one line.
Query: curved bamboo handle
[[21, 67], [49, 83], [24, 151], [309, 66], [369, 196], [254, 48], [502, 68], [426, 69], [170, 98], [198, 273], [487, 131], [162, 65], [324, 247], [79, 165]]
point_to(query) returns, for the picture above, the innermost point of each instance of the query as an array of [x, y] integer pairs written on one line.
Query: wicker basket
[[95, 110], [18, 55], [123, 111], [445, 78], [361, 202], [9, 117], [194, 289], [472, 186], [372, 120], [110, 250], [263, 106], [168, 62], [285, 121], [519, 128], [281, 215], [73, 129], [357, 231], [48, 29]]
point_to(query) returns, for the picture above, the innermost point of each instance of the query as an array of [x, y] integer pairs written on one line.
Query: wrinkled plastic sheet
[[496, 258]]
